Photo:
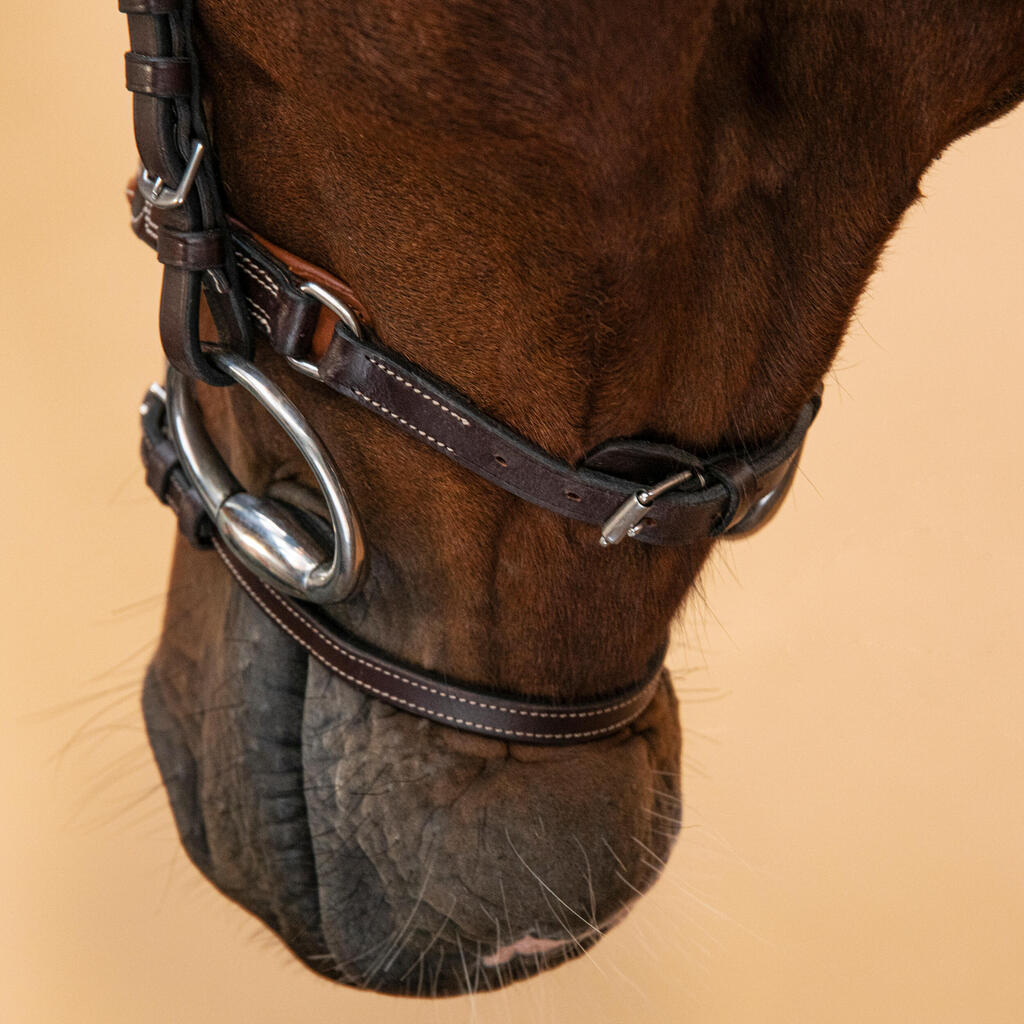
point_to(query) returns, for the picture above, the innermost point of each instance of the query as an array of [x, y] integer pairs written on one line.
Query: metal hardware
[[154, 190], [338, 308], [627, 519], [273, 539], [152, 407]]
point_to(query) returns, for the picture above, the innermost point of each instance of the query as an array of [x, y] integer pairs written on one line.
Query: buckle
[[154, 190], [332, 303], [627, 519], [272, 539]]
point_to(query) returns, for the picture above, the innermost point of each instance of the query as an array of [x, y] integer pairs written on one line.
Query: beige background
[[852, 685]]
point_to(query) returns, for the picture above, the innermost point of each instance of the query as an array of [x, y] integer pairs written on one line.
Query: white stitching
[[404, 422], [432, 690], [260, 313], [419, 391], [147, 221], [257, 273]]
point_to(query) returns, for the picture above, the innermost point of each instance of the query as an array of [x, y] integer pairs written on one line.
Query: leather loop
[[191, 250], [738, 478], [179, 325], [639, 461], [449, 424], [149, 6], [157, 76]]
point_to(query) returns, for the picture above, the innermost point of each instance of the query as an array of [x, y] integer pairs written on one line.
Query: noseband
[[290, 560]]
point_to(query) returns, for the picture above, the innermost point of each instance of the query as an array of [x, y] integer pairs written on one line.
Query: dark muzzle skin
[[390, 852]]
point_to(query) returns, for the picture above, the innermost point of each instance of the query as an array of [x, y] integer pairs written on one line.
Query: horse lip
[[534, 945], [268, 817]]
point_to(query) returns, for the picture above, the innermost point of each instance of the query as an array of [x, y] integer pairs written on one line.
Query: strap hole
[[500, 461], [573, 496]]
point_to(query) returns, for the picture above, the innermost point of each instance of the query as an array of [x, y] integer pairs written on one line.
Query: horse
[[641, 220]]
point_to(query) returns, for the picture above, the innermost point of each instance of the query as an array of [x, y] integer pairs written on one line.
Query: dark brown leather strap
[[450, 424], [459, 706], [298, 326], [161, 70]]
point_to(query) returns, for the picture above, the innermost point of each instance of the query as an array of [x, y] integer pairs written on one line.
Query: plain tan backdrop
[[851, 686]]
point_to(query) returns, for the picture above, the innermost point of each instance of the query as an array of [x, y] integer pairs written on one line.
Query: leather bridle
[[221, 275]]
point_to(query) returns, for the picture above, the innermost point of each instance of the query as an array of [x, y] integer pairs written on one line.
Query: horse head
[[646, 221]]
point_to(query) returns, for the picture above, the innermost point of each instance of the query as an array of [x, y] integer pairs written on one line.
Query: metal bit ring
[[269, 536]]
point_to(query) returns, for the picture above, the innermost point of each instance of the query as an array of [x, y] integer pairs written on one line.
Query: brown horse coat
[[631, 219]]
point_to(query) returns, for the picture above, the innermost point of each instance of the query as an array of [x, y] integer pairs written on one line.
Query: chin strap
[[429, 696]]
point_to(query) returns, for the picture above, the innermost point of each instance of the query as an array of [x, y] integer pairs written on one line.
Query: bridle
[[220, 276]]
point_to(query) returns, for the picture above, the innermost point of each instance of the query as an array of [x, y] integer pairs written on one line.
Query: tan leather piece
[[449, 423], [302, 270]]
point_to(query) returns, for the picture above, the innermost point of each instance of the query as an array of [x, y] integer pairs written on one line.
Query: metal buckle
[[338, 308], [627, 519], [269, 536], [154, 190]]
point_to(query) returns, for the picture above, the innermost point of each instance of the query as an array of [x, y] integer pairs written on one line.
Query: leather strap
[[162, 73], [460, 705], [296, 325], [457, 705]]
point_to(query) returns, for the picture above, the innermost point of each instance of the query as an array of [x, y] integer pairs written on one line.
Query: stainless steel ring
[[272, 538]]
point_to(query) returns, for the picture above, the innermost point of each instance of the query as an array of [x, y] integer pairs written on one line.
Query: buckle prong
[[627, 519], [154, 190]]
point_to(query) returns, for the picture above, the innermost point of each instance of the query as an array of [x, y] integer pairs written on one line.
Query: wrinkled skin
[[388, 851], [644, 219]]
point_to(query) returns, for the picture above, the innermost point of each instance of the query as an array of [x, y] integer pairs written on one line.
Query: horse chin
[[389, 852]]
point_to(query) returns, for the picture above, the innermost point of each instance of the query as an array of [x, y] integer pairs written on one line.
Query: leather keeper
[[642, 462], [740, 482], [190, 250], [157, 76], [149, 6]]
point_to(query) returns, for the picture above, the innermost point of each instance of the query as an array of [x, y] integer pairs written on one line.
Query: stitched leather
[[450, 424], [162, 73], [462, 707]]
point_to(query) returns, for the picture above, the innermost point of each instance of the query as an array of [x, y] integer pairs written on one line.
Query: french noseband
[[220, 274]]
